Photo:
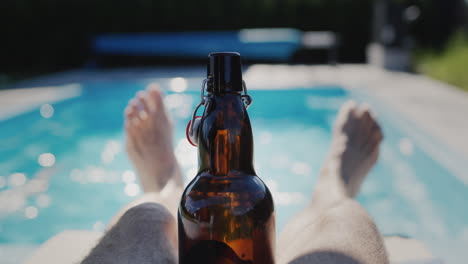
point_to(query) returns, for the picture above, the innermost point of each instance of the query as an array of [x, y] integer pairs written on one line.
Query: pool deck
[[430, 107], [17, 101]]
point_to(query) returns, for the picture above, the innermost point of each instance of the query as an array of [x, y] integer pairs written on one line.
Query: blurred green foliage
[[450, 65]]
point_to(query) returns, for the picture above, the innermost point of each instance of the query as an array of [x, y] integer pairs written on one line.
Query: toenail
[[141, 94], [133, 102], [143, 115], [128, 110], [153, 86]]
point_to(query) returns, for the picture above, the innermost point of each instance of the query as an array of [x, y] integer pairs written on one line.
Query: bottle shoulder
[[238, 193]]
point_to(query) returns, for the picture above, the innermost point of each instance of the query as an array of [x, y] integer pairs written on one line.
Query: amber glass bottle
[[226, 214]]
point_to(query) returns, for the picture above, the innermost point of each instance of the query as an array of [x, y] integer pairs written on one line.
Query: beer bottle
[[226, 213]]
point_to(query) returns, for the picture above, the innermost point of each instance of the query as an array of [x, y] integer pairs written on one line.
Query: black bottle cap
[[225, 72]]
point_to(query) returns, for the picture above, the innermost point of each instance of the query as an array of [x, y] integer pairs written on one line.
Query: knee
[[355, 230], [352, 214], [146, 233], [145, 214]]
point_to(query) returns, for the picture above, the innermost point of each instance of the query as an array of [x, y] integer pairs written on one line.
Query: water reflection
[[280, 162], [284, 198], [265, 138], [132, 189], [180, 105], [111, 149], [47, 111], [93, 174], [186, 154], [406, 146], [300, 168], [128, 176], [77, 176], [314, 103], [46, 159], [43, 200], [36, 185], [11, 201], [31, 212], [178, 84], [16, 179]]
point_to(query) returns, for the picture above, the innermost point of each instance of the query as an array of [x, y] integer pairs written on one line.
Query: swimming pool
[[63, 166]]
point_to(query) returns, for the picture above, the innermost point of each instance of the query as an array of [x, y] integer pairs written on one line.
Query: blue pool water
[[63, 166]]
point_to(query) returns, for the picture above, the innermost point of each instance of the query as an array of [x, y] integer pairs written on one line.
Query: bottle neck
[[225, 143]]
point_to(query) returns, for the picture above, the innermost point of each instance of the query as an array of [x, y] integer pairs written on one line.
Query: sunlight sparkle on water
[[179, 105], [128, 176], [132, 189], [186, 154], [11, 201], [46, 159], [43, 200], [77, 175], [279, 162], [178, 84], [111, 149], [30, 212], [47, 111], [37, 185], [300, 168], [284, 198], [16, 179], [265, 138]]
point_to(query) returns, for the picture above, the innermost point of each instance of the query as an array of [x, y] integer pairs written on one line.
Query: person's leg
[[149, 147], [145, 230], [149, 141], [144, 234], [334, 228]]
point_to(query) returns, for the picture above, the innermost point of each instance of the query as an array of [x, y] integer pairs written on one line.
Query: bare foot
[[149, 141], [355, 146], [353, 152]]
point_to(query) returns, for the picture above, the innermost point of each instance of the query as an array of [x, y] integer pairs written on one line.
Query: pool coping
[[14, 102]]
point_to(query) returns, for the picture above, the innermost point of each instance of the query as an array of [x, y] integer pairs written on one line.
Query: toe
[[128, 112], [155, 97], [132, 127], [363, 112], [347, 108], [143, 105], [131, 115], [131, 109], [134, 134], [365, 123], [344, 115]]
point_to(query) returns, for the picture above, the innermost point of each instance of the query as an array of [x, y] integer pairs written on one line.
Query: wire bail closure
[[246, 99]]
